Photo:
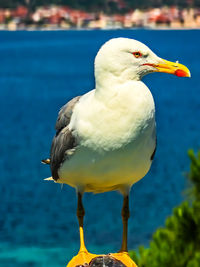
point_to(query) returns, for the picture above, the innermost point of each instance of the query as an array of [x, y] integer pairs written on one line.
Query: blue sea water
[[41, 71]]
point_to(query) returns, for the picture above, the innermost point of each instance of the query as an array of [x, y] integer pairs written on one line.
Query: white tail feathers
[[49, 179]]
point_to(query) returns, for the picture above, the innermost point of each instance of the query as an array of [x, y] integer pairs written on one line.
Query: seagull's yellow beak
[[173, 68], [170, 67]]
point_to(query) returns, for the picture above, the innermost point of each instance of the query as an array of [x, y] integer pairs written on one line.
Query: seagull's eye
[[137, 54]]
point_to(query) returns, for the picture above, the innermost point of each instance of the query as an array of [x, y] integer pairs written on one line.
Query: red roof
[[20, 11]]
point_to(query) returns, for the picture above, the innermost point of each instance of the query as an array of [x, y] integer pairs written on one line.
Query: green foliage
[[178, 243]]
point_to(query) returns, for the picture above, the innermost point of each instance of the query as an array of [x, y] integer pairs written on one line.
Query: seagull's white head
[[127, 59]]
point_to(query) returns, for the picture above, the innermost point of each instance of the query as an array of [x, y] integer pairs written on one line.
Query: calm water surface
[[41, 71]]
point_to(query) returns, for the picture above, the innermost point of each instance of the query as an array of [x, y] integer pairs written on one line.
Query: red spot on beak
[[180, 73]]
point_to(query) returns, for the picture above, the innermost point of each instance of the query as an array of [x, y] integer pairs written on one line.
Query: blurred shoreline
[[30, 29], [65, 18]]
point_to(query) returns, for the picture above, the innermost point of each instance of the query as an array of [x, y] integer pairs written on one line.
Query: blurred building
[[63, 17]]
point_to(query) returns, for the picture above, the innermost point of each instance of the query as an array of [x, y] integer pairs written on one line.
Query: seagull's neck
[[108, 83]]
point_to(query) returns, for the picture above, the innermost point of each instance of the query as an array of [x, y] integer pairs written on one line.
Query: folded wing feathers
[[64, 143], [65, 114]]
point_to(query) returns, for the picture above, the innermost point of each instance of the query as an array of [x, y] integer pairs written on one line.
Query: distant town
[[64, 18]]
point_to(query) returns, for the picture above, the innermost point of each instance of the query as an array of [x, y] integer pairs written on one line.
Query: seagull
[[106, 139]]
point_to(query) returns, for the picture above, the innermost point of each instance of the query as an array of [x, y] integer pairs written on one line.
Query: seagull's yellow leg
[[83, 257], [122, 255], [125, 217], [80, 215]]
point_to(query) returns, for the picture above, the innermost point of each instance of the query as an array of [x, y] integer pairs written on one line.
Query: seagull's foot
[[86, 259], [82, 259], [124, 257]]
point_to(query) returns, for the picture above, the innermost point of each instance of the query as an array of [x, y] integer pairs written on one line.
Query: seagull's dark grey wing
[[64, 143], [65, 114]]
